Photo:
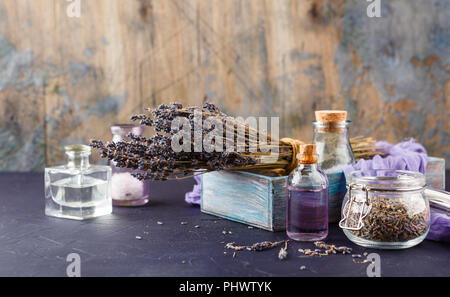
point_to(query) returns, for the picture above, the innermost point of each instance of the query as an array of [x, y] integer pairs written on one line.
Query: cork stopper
[[330, 121], [308, 154], [331, 116]]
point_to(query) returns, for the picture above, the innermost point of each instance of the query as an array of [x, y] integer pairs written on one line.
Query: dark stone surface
[[35, 245]]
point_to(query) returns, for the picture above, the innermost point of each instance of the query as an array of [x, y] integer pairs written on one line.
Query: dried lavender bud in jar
[[392, 220]]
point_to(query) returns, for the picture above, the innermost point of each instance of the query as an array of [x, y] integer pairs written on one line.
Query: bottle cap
[[330, 116], [77, 149], [308, 154]]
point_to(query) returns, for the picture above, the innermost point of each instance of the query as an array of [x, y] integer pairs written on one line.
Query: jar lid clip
[[365, 207]]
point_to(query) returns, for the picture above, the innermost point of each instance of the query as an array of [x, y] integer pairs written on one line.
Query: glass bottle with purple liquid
[[307, 204], [126, 189]]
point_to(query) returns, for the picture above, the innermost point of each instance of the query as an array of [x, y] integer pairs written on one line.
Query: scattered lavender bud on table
[[260, 246], [231, 246], [361, 262], [324, 249], [283, 252]]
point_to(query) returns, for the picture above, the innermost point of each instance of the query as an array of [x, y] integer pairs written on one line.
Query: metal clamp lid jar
[[385, 209]]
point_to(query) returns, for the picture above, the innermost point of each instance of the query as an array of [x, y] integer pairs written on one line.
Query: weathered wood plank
[[247, 198], [22, 100], [65, 80]]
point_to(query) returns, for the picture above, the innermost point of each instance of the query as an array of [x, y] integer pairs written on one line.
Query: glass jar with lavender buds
[[385, 209], [126, 189]]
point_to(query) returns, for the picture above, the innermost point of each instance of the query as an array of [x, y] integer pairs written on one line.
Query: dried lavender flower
[[156, 160], [260, 246], [390, 221], [283, 252], [324, 249]]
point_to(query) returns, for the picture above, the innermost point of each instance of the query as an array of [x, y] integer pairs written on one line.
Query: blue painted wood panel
[[252, 199]]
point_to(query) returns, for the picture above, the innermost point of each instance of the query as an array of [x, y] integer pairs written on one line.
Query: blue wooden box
[[260, 201], [253, 199]]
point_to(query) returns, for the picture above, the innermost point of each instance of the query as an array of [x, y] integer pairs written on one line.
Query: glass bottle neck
[[308, 167], [335, 128], [78, 161], [333, 145], [120, 132], [332, 136]]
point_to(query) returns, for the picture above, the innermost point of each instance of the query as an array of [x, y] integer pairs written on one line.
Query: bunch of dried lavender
[[365, 148], [156, 158]]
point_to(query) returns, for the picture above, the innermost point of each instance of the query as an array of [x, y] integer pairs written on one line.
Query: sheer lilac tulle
[[439, 227], [194, 197], [412, 156], [407, 155]]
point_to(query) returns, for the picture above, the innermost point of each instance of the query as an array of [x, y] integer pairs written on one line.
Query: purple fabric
[[407, 155], [194, 197], [439, 227]]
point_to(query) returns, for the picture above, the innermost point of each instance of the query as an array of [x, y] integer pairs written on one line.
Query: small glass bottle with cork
[[335, 153], [307, 204]]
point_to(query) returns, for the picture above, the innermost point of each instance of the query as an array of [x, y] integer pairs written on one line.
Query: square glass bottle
[[78, 190]]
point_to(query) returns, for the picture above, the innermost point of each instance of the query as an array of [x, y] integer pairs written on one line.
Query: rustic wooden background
[[65, 80]]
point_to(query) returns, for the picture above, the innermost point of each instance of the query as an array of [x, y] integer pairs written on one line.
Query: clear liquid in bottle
[[78, 190]]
